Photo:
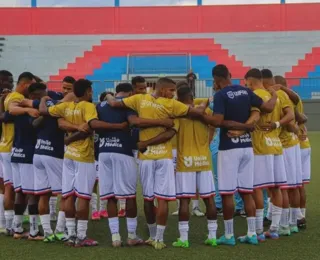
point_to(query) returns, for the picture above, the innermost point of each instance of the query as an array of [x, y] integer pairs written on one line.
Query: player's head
[[139, 85], [38, 80], [124, 89], [185, 95], [103, 95], [25, 79], [280, 80], [67, 85], [82, 89], [6, 80], [37, 90], [182, 84], [267, 78], [221, 76], [253, 78], [165, 87]]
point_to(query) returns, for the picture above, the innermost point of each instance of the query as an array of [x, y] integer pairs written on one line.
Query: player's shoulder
[[14, 95]]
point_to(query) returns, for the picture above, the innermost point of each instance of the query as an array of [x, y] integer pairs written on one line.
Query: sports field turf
[[304, 245]]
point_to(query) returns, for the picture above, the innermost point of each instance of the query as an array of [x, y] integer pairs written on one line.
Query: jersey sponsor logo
[[273, 141], [156, 150], [18, 152], [233, 94], [196, 161], [44, 145], [110, 142], [147, 103], [72, 152], [246, 138], [72, 112]]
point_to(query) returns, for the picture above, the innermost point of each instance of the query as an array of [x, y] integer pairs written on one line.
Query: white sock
[[195, 204], [152, 230], [114, 225], [122, 204], [34, 227], [212, 228], [17, 223], [26, 212], [61, 223], [259, 221], [284, 221], [53, 205], [160, 231], [251, 222], [9, 215], [82, 229], [132, 227], [71, 226], [269, 212], [2, 217], [178, 204], [45, 222], [103, 204], [293, 216], [93, 202], [303, 212], [276, 217], [299, 214], [184, 230], [228, 228]]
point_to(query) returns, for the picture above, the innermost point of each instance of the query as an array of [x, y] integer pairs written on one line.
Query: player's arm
[[294, 97], [15, 109], [113, 102], [96, 124], [43, 109], [2, 110], [300, 117], [139, 122], [267, 106], [69, 127], [75, 137]]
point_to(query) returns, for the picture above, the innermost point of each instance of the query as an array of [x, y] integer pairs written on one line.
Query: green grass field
[[304, 245]]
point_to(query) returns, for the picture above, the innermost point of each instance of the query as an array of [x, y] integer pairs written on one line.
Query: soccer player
[[292, 161], [156, 165], [269, 171], [79, 174], [235, 156]]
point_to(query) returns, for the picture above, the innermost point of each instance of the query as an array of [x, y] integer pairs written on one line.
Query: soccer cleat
[[71, 241], [159, 245], [271, 234], [149, 242], [36, 237], [116, 240], [60, 236], [294, 229], [95, 215], [284, 231], [53, 217], [197, 212], [86, 242], [211, 242], [49, 238], [302, 223], [176, 213], [103, 214], [253, 240], [182, 244], [226, 241], [134, 241], [219, 212], [261, 237], [26, 219], [20, 235], [121, 213]]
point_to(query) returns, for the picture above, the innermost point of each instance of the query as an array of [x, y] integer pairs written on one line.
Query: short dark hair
[[182, 84], [137, 79], [165, 80], [69, 79], [5, 73], [182, 92], [25, 76], [266, 74], [253, 73], [81, 86], [124, 87], [280, 80], [37, 79], [36, 86], [221, 71]]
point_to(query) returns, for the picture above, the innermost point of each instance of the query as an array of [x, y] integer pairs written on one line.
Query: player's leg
[[174, 159], [218, 200], [146, 168], [122, 208], [85, 177], [2, 218], [195, 206], [245, 187], [165, 191], [206, 191], [94, 203], [53, 207], [185, 189], [228, 164]]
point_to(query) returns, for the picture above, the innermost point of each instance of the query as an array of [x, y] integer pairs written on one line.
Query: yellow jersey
[[306, 143], [149, 107], [199, 101], [267, 142], [8, 128], [287, 138], [193, 153], [77, 113]]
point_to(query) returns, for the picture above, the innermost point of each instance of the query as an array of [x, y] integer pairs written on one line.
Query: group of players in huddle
[[60, 143]]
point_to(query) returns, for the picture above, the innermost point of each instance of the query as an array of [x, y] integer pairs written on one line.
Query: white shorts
[[117, 176], [5, 159], [78, 178], [47, 174], [23, 177], [235, 170], [174, 158], [306, 165], [96, 165], [269, 171], [157, 179], [292, 163], [187, 184]]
